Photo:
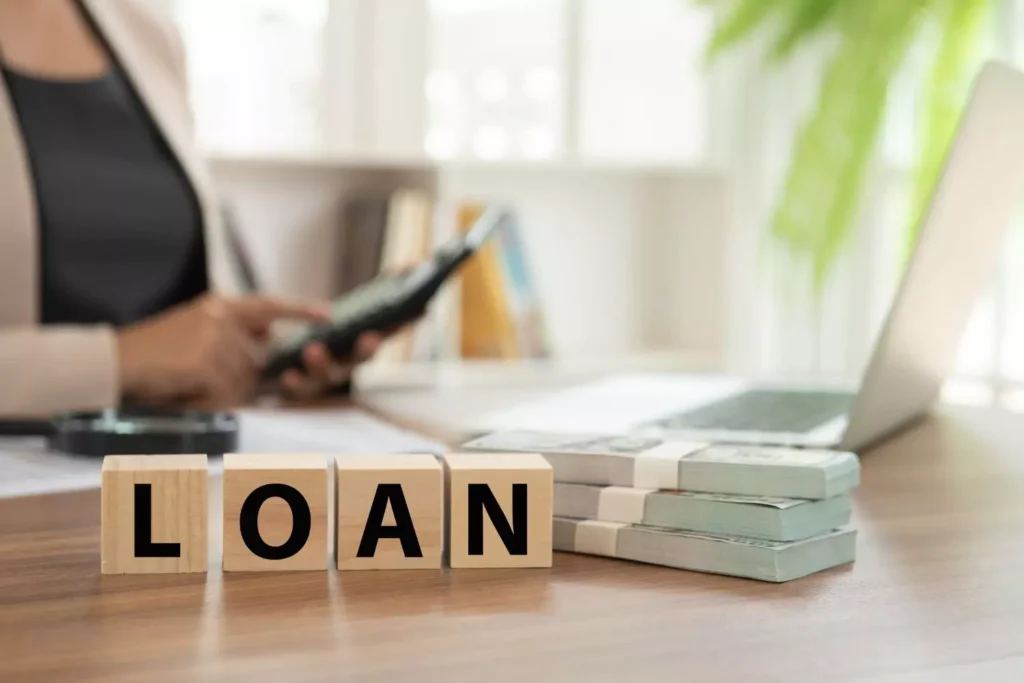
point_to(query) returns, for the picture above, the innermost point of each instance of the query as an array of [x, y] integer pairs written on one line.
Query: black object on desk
[[132, 432], [113, 432], [25, 427]]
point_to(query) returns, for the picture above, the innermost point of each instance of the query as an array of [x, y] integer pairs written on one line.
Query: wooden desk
[[936, 596]]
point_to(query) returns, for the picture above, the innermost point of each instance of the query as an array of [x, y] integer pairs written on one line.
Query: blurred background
[[656, 187]]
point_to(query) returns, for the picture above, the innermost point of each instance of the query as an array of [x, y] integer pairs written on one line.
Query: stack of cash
[[767, 513]]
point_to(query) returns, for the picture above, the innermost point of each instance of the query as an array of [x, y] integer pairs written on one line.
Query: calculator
[[389, 301]]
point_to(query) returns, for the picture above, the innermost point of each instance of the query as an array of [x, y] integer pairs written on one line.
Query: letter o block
[[500, 510], [275, 512], [390, 512], [153, 514]]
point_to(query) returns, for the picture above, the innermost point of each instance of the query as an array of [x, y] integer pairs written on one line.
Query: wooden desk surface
[[936, 596]]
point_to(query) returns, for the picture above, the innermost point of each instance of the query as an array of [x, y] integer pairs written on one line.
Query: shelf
[[342, 162], [315, 160], [610, 166]]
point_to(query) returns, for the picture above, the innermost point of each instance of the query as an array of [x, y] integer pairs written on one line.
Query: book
[[407, 242], [521, 295], [771, 561], [435, 337], [654, 463], [408, 237], [486, 326], [762, 517], [364, 222]]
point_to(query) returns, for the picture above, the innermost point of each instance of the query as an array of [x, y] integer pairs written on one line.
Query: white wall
[[628, 259]]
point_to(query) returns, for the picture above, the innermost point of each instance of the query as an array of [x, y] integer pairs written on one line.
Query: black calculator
[[387, 302]]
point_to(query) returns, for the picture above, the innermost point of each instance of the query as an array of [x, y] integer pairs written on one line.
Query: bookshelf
[[628, 249], [627, 259]]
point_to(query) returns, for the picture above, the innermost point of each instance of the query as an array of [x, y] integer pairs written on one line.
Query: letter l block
[[153, 514], [499, 509]]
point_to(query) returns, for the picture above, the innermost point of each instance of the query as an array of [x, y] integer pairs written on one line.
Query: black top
[[120, 225]]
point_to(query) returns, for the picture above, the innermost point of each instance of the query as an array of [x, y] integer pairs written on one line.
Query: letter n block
[[499, 510], [275, 512], [153, 514], [390, 512]]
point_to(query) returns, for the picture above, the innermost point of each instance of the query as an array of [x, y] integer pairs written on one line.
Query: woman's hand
[[322, 372], [207, 353]]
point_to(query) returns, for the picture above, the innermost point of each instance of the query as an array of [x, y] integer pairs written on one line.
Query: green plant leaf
[[835, 146], [741, 19], [961, 24], [808, 19]]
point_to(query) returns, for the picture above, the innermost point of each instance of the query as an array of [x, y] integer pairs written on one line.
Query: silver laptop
[[974, 203]]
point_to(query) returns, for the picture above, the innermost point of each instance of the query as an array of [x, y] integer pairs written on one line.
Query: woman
[[115, 281]]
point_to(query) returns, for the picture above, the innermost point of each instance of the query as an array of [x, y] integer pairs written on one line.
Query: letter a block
[[275, 512], [390, 512], [153, 514], [499, 510]]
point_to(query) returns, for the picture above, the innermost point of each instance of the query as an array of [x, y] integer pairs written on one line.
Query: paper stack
[[767, 513]]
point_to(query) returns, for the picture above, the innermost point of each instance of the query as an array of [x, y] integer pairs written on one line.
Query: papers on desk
[[28, 468], [327, 431]]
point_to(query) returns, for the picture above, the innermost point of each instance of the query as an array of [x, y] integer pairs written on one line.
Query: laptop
[[975, 200]]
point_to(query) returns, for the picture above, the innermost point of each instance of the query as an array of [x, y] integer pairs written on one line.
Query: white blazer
[[54, 368]]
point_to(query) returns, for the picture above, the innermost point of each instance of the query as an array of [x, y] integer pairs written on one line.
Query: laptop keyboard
[[762, 410]]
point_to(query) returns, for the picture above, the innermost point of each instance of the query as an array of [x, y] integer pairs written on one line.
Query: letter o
[[248, 522]]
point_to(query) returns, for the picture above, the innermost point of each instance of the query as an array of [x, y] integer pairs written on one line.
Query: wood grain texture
[[177, 490], [501, 474], [421, 493], [275, 521], [936, 596]]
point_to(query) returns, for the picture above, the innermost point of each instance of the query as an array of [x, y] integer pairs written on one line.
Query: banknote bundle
[[766, 513]]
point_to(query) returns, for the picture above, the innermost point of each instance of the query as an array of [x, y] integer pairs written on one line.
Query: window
[[256, 71], [502, 80], [642, 89], [543, 79], [495, 86]]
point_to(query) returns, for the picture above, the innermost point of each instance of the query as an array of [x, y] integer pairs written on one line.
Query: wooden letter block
[[153, 514], [500, 510], [275, 512], [390, 512]]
